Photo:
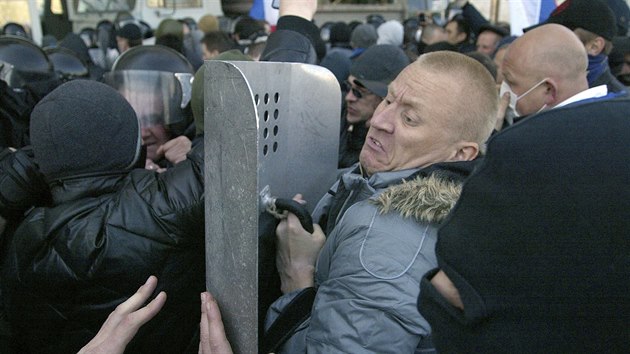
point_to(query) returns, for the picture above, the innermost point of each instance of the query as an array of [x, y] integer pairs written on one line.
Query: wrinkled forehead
[[426, 90]]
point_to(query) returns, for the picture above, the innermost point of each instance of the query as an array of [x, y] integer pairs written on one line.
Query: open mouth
[[377, 144]]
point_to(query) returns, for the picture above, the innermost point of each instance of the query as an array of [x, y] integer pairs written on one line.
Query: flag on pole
[[525, 13], [262, 10]]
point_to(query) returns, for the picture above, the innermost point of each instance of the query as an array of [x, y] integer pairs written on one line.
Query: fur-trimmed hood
[[426, 198]]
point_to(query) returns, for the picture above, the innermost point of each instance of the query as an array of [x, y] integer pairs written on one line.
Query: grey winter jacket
[[369, 270]]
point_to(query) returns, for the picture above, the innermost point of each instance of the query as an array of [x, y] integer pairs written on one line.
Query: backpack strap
[[296, 312]]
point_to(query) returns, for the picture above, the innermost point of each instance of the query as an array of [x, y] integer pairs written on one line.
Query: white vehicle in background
[[58, 17]]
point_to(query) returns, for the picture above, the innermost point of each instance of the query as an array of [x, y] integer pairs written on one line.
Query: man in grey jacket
[[381, 230], [378, 223]]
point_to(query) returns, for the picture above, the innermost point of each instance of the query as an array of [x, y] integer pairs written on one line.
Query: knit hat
[[81, 127], [208, 23], [170, 26], [129, 31], [390, 32], [378, 66], [591, 15], [363, 36]]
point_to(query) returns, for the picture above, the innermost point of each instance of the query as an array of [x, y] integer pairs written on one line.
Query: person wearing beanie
[[594, 23], [390, 32], [340, 37], [208, 23], [109, 225], [170, 33], [128, 36], [370, 74], [362, 37]]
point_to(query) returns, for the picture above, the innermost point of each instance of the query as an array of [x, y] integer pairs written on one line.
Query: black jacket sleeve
[[474, 17]]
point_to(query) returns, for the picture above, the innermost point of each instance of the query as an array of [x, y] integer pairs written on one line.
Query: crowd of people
[[482, 203]]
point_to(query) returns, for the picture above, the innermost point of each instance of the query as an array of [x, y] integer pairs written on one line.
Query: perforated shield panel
[[266, 124]]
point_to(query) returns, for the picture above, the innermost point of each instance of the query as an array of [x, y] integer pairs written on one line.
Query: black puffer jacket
[[66, 267]]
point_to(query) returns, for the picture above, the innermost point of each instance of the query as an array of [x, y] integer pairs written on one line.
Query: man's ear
[[465, 151], [551, 93], [596, 46], [461, 36]]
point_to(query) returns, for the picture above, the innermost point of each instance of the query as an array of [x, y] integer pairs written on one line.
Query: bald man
[[544, 68], [551, 273]]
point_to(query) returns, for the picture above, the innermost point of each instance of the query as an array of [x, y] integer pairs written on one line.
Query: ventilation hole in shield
[[257, 99], [266, 98], [275, 114], [275, 146], [275, 130], [265, 148], [265, 133], [276, 97], [266, 116]]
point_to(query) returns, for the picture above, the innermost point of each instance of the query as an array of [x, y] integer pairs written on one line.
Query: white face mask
[[514, 98]]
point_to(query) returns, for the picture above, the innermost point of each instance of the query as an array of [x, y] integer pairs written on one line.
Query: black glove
[[21, 184]]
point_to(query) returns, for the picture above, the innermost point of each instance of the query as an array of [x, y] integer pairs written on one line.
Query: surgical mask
[[514, 98]]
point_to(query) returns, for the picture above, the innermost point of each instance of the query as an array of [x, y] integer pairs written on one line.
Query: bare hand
[[297, 252], [152, 166], [175, 150], [124, 322], [445, 286], [301, 8], [212, 337]]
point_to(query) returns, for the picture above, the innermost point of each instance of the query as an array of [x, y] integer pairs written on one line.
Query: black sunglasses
[[347, 87]]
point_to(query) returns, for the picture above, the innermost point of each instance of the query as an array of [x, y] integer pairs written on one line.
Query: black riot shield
[[269, 128]]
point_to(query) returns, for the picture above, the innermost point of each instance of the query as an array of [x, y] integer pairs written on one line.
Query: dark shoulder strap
[[296, 312]]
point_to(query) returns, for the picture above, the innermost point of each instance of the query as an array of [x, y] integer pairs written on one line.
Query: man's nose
[[383, 118], [350, 96]]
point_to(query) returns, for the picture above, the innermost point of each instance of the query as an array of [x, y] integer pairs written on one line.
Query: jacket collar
[[429, 194]]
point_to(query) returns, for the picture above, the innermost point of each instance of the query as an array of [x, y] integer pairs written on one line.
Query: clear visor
[[9, 75], [157, 97]]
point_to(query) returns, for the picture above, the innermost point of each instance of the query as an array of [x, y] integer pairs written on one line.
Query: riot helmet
[[15, 29], [28, 61], [157, 82], [66, 63]]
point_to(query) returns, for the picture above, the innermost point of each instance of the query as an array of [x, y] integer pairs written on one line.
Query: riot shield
[[272, 126]]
